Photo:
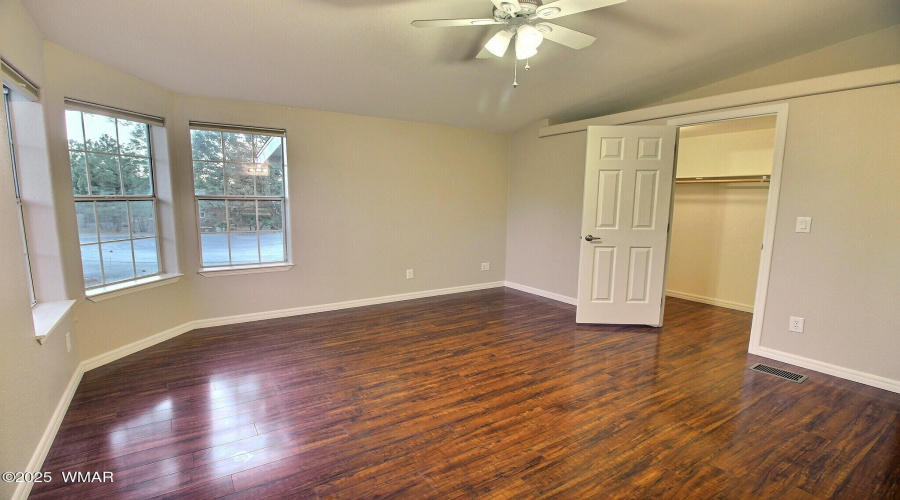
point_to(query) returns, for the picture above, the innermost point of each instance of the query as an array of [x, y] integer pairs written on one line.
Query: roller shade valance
[[124, 114], [239, 129], [15, 79]]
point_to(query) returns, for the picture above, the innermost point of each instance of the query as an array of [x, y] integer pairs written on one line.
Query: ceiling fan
[[524, 20]]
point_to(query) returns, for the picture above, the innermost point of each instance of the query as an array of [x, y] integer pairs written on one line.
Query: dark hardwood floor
[[489, 394]]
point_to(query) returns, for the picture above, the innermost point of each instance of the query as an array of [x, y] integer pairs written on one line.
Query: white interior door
[[624, 225]]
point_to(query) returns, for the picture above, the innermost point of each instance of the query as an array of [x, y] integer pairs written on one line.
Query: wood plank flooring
[[488, 394]]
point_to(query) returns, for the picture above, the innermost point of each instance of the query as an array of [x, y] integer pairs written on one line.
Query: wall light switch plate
[[409, 274], [796, 324], [804, 224], [68, 342], [485, 266]]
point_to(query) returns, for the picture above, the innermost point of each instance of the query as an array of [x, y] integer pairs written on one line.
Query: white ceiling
[[363, 57]]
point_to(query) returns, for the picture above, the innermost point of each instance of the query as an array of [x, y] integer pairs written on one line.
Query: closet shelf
[[731, 178]]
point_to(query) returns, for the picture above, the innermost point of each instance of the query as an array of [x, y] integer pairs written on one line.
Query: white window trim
[[110, 290], [114, 290], [47, 316], [253, 268], [212, 272]]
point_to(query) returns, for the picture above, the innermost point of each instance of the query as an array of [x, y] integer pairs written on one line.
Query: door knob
[[592, 238]]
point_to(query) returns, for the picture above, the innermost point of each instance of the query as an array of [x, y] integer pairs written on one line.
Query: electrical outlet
[[485, 266], [68, 342], [804, 224], [796, 324], [409, 274]]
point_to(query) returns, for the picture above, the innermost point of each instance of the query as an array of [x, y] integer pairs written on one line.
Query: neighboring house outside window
[[239, 188]]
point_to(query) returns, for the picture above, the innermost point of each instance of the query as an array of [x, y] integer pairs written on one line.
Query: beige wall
[[33, 377], [113, 323], [735, 153], [369, 198], [543, 227], [843, 278], [717, 228], [872, 50], [717, 232]]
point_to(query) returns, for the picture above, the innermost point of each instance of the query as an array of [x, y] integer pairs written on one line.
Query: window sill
[[119, 289], [211, 272], [47, 315]]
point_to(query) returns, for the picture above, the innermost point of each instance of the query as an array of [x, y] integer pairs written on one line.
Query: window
[[239, 186], [115, 197], [12, 155]]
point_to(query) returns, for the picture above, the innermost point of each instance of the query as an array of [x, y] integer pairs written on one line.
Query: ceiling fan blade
[[562, 8], [509, 6], [444, 23], [565, 36]]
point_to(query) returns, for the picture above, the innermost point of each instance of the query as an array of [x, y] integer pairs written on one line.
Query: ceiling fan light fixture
[[528, 38], [548, 11], [498, 44]]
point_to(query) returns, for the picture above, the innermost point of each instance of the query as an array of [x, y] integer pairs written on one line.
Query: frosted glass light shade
[[498, 44]]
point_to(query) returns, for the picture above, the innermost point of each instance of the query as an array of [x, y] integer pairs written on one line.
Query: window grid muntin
[[15, 170], [226, 198], [119, 197]]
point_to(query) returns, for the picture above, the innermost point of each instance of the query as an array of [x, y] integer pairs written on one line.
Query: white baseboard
[[711, 301], [37, 459], [335, 306], [134, 347], [121, 352], [542, 293], [829, 369]]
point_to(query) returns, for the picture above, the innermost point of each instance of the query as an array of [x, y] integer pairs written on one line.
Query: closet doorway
[[723, 209]]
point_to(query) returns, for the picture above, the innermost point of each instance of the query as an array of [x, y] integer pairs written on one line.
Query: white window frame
[[149, 121], [242, 268], [21, 206]]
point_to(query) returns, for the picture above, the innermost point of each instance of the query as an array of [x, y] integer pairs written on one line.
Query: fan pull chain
[[515, 72], [527, 65]]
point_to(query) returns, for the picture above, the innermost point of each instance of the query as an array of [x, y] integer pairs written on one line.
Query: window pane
[[215, 249], [74, 130], [206, 145], [134, 138], [90, 262], [136, 176], [100, 133], [79, 173], [237, 182], [113, 218], [244, 248], [272, 184], [87, 224], [146, 259], [212, 216], [242, 215], [208, 178], [143, 220], [104, 174], [238, 147], [271, 247], [117, 261], [270, 215]]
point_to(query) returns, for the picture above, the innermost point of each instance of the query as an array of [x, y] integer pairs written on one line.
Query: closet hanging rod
[[718, 180]]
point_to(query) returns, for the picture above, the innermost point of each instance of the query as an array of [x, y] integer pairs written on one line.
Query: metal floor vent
[[771, 370]]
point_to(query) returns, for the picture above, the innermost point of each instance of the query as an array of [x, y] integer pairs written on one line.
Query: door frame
[[765, 261]]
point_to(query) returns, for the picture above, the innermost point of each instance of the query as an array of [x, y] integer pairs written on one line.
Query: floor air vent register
[[771, 370]]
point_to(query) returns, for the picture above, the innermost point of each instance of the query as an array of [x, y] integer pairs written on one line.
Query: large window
[[239, 186], [115, 198], [21, 209]]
